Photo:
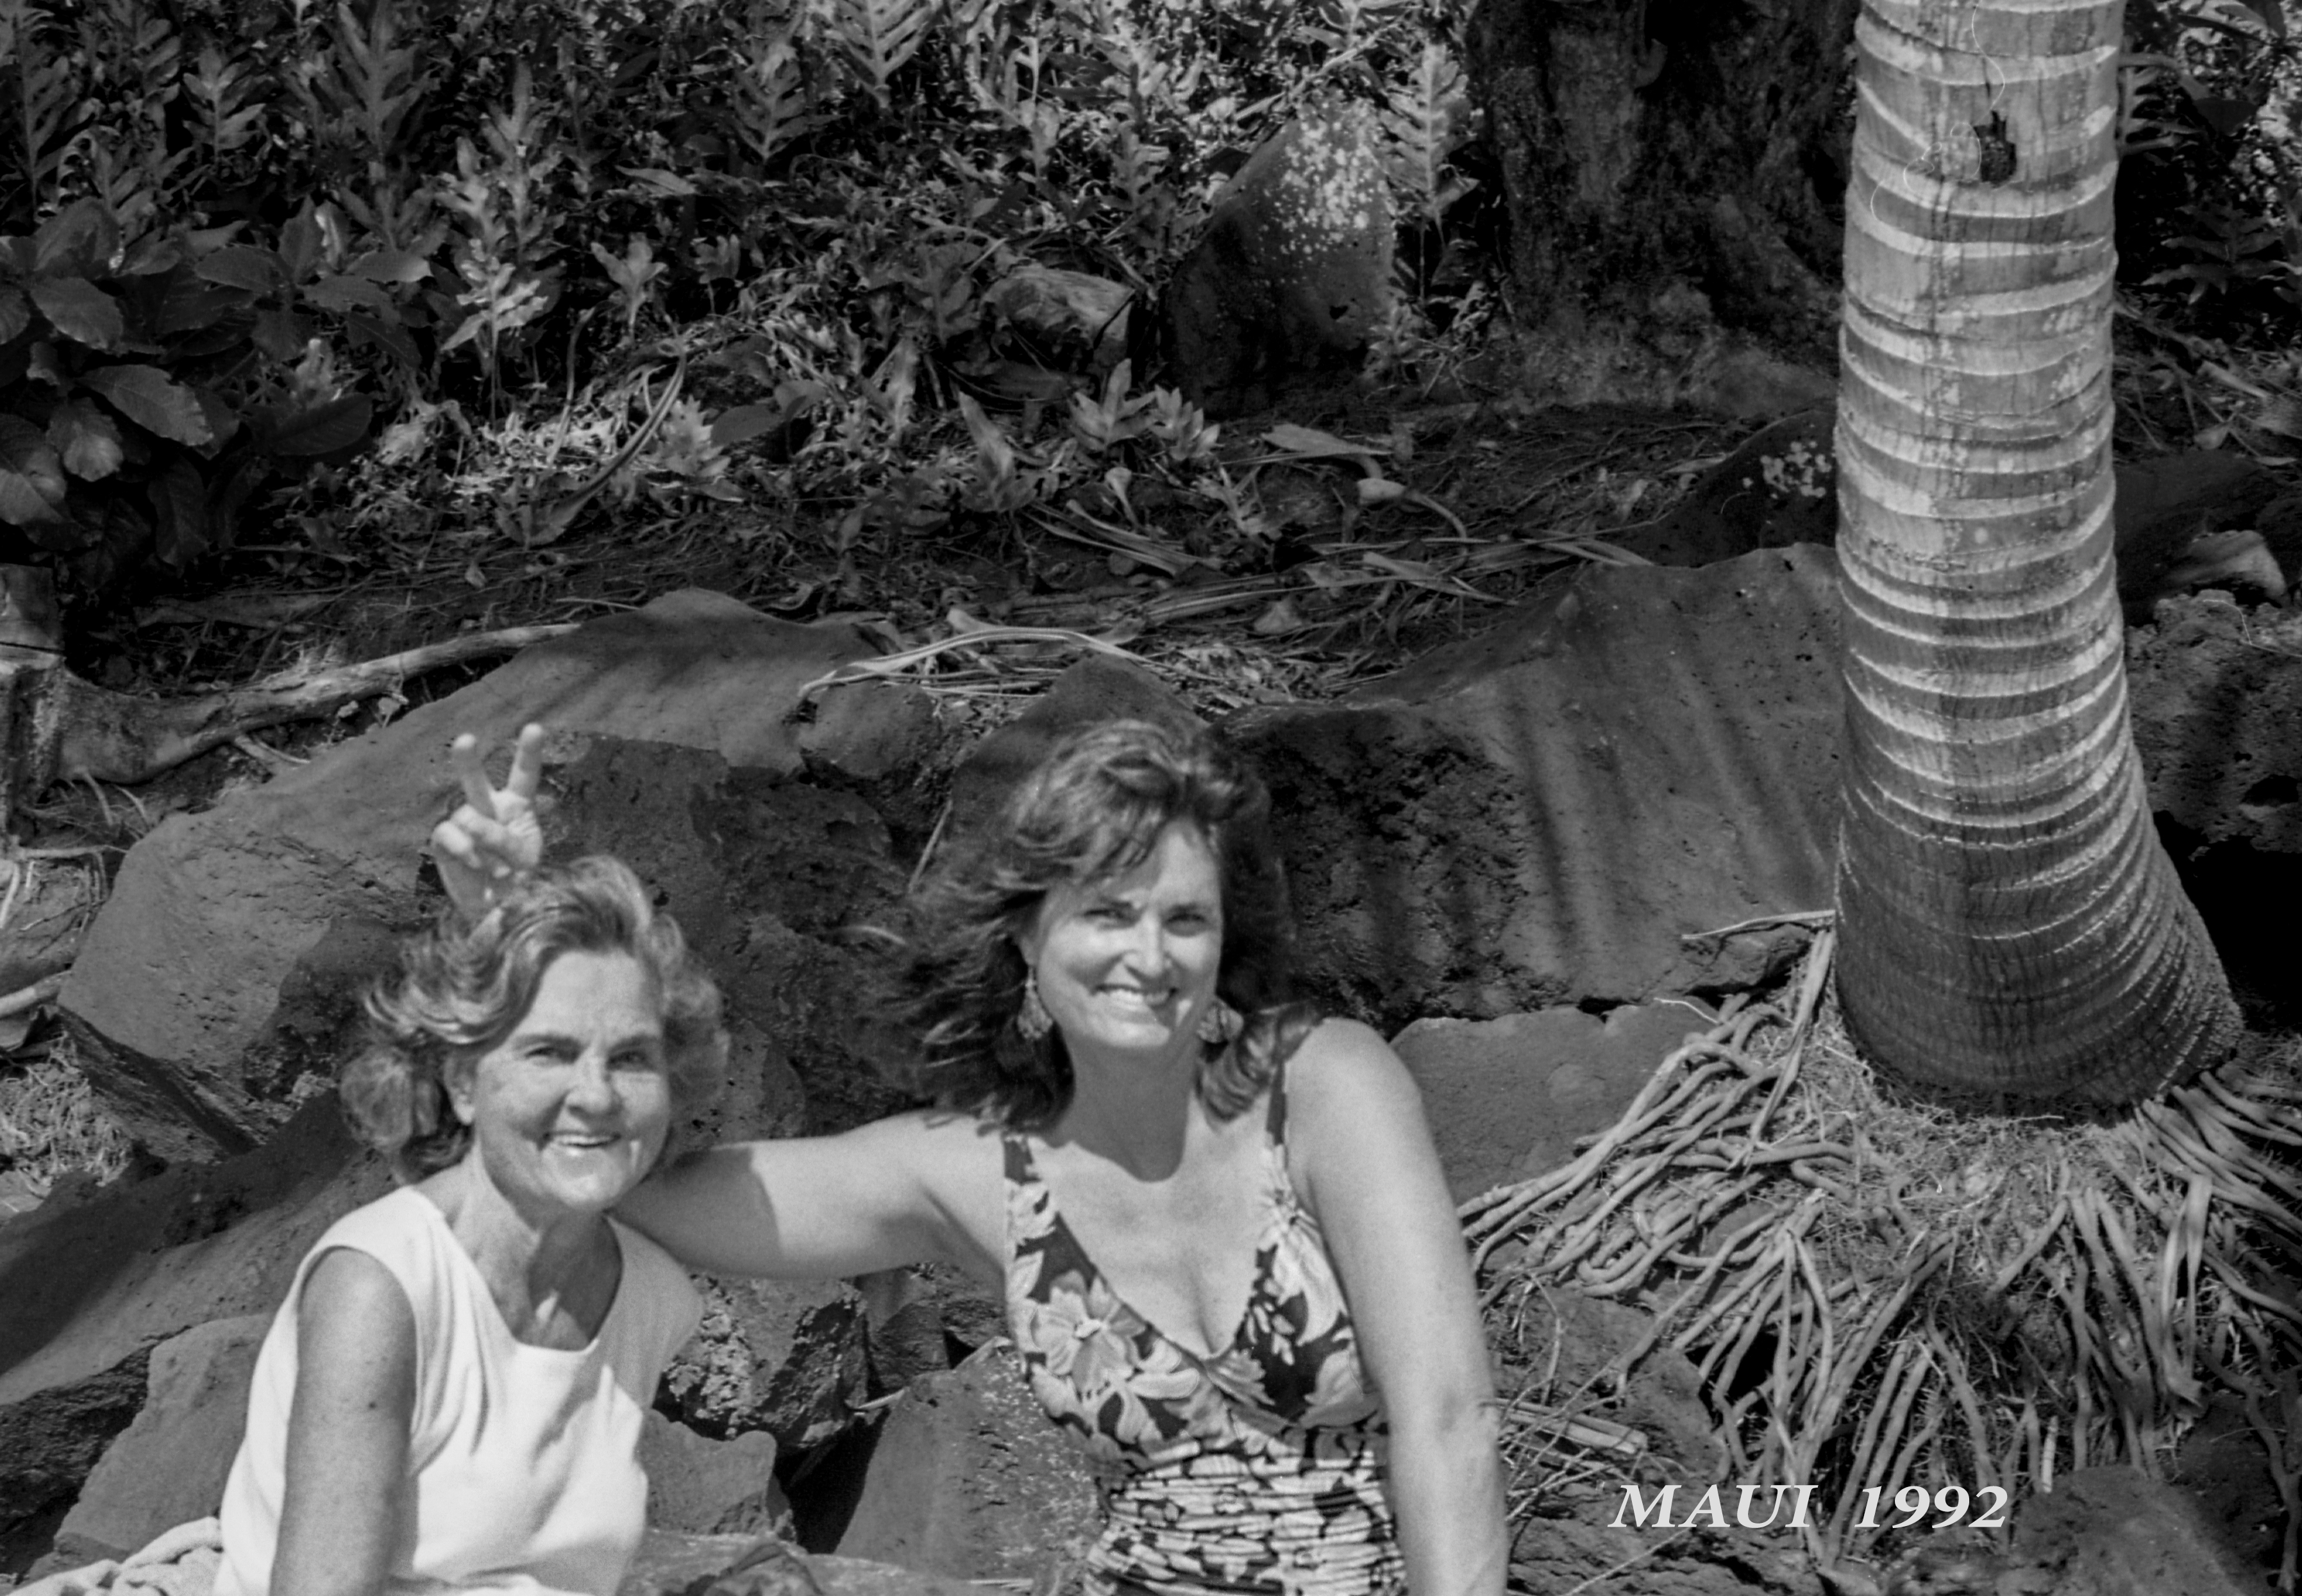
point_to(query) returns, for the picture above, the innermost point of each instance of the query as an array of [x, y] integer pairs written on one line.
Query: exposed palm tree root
[[1879, 1292]]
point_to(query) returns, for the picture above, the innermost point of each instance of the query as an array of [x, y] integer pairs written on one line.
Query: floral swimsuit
[[1259, 1470]]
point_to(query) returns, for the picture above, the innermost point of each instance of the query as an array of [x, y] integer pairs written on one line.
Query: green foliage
[[147, 390], [2210, 190], [247, 235]]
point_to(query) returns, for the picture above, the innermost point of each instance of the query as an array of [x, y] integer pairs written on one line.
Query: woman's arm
[[1358, 1142], [917, 1188], [346, 1460]]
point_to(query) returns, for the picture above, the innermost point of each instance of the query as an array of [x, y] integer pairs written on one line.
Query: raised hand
[[495, 838]]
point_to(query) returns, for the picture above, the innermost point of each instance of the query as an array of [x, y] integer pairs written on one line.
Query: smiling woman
[[450, 1397]]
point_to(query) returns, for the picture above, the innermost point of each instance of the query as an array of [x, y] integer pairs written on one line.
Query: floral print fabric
[[1259, 1470]]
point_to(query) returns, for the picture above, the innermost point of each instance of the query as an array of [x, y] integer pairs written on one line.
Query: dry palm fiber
[[1877, 1292]]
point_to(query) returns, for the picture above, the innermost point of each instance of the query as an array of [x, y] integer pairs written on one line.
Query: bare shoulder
[[348, 1293], [1344, 1068], [1353, 1110], [355, 1328]]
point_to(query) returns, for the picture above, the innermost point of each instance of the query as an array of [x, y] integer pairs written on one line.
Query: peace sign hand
[[495, 838]]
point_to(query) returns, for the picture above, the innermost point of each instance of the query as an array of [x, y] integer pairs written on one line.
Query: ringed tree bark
[[2008, 923], [1673, 171]]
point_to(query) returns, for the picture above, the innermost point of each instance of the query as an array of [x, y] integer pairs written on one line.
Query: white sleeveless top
[[527, 1474]]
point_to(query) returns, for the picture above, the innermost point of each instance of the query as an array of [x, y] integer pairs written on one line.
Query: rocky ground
[[1520, 854]]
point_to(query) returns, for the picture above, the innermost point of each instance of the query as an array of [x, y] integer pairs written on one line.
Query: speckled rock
[[787, 1357], [1780, 486], [1292, 274]]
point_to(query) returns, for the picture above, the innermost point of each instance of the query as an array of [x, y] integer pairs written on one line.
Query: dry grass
[[1877, 1292], [51, 1123]]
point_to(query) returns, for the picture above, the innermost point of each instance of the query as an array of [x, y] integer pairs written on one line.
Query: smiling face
[[570, 1110], [1126, 963]]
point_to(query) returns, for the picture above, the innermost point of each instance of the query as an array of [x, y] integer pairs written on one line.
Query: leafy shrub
[[146, 391], [2210, 184], [247, 233]]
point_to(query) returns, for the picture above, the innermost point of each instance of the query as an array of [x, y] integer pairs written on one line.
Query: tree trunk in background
[[1672, 170], [2008, 923]]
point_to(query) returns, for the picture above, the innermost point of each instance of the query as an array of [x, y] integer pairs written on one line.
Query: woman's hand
[[495, 838], [347, 1456]]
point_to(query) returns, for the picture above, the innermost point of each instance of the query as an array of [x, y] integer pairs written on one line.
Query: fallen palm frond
[[1878, 1293], [969, 634]]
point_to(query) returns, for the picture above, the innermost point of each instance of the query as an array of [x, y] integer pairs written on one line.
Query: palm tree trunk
[[2008, 921]]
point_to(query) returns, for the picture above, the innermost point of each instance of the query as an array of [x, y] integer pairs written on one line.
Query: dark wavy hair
[[461, 989], [1094, 807]]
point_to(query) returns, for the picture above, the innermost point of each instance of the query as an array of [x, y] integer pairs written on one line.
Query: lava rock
[[788, 1357], [221, 978], [94, 1287], [1562, 807], [1067, 321], [1291, 275], [2114, 1532], [1780, 487], [697, 1485], [1506, 1099], [969, 1479], [168, 1467]]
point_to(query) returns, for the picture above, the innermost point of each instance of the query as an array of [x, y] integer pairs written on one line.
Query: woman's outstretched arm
[[1358, 1142], [917, 1188], [346, 1469]]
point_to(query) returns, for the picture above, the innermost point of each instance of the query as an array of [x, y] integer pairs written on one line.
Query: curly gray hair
[[461, 989]]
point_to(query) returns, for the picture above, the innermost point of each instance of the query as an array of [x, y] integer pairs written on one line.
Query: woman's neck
[[542, 1270], [1134, 1110]]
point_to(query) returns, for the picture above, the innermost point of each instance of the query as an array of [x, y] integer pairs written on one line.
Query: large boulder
[[1779, 487], [1574, 804], [2116, 1532], [969, 1479], [215, 990], [1506, 1099], [169, 1466], [2216, 693], [697, 1485], [95, 1288], [2107, 1530], [2216, 698], [1291, 275]]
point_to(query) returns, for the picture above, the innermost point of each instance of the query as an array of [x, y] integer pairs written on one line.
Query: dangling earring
[[1219, 1026], [1032, 1020]]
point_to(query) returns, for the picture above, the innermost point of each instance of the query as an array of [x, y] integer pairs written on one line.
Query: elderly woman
[[450, 1397], [1228, 1255]]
